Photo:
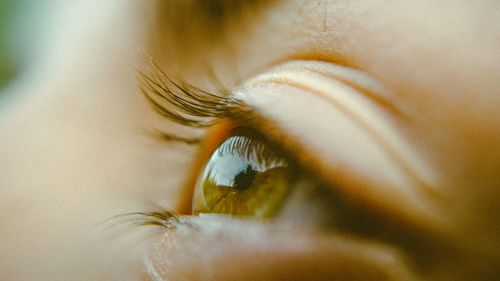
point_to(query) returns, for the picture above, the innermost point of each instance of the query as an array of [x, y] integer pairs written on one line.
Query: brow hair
[[206, 18]]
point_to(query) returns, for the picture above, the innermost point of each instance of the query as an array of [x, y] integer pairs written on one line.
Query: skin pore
[[392, 102]]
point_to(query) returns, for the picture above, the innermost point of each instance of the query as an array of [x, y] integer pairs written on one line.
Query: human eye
[[343, 134], [245, 175], [249, 176], [295, 147]]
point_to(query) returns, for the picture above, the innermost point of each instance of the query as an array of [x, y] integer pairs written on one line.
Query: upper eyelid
[[353, 105], [193, 107], [416, 184]]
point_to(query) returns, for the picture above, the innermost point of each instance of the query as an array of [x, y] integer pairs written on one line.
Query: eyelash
[[190, 107], [185, 104]]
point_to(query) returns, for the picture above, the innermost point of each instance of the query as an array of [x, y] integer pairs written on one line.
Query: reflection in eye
[[245, 176]]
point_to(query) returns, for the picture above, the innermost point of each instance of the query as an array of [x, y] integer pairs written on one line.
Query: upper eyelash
[[255, 147], [183, 103]]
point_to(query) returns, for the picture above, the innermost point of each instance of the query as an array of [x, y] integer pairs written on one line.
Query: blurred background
[[21, 23], [11, 38]]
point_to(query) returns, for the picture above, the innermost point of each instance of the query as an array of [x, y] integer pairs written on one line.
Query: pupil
[[244, 179]]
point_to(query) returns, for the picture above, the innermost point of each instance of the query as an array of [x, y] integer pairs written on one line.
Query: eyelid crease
[[351, 77]]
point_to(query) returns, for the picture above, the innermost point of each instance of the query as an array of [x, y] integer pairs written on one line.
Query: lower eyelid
[[340, 148], [267, 251]]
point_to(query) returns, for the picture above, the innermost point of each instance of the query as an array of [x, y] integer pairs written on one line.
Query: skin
[[75, 153]]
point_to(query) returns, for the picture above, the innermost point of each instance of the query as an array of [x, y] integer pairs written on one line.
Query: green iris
[[245, 176]]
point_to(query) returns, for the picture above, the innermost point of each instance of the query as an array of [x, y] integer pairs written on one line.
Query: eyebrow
[[205, 19]]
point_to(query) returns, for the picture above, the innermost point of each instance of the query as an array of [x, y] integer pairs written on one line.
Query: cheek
[[70, 160]]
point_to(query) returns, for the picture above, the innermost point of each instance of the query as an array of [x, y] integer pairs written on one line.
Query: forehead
[[334, 29]]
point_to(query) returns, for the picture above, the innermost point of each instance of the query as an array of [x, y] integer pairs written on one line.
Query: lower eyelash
[[163, 218], [183, 103]]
